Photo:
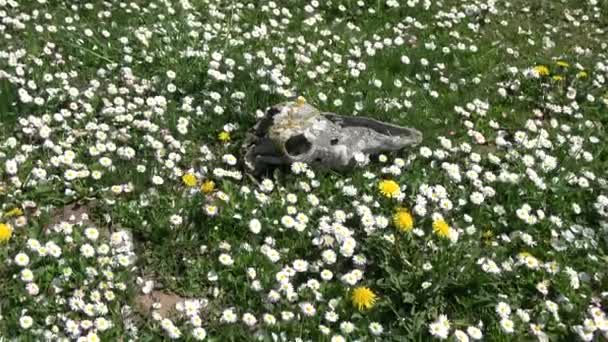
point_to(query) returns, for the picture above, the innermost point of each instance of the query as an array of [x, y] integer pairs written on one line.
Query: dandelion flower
[[403, 220], [581, 74], [224, 136], [507, 325], [563, 64], [6, 231], [363, 298], [541, 70], [389, 188], [208, 186], [441, 228], [189, 179]]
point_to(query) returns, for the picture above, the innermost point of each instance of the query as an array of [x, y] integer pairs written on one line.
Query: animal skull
[[298, 132]]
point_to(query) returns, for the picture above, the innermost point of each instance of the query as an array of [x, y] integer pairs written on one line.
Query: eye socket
[[297, 145], [333, 141]]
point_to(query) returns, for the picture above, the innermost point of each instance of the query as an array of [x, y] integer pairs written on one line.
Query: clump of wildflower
[[208, 186], [189, 179], [403, 220], [363, 298], [541, 70], [6, 231], [389, 188], [224, 136], [441, 228]]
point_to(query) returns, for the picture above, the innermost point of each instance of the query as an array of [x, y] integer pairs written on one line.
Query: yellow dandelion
[[582, 74], [389, 188], [541, 70], [189, 179], [563, 64], [224, 136], [403, 220], [208, 186], [441, 228], [6, 231], [14, 212], [363, 298], [557, 78]]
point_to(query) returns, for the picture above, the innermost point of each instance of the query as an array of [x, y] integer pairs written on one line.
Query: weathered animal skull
[[298, 132]]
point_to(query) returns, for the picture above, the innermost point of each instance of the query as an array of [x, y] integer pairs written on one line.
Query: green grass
[[92, 94]]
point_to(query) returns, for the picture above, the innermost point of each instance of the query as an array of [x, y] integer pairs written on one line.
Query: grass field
[[125, 214]]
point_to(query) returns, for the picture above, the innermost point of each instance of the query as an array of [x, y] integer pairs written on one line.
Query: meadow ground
[[120, 186]]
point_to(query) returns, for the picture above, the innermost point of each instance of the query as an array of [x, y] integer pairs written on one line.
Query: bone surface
[[298, 132]]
